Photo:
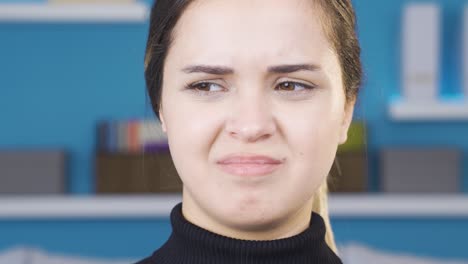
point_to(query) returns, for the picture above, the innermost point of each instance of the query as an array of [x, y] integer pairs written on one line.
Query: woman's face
[[248, 78]]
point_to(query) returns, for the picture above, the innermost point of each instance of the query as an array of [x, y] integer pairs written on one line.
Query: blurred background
[[86, 175]]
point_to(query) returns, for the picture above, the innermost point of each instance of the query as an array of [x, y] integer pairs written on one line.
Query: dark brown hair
[[340, 27], [339, 22]]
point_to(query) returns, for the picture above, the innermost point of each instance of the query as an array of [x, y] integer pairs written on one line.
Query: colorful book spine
[[151, 133], [112, 139], [130, 136], [122, 137], [357, 138], [101, 135]]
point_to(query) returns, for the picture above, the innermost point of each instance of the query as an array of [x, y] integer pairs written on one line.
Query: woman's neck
[[276, 229]]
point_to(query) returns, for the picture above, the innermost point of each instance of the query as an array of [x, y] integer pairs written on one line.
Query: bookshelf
[[160, 205], [81, 13]]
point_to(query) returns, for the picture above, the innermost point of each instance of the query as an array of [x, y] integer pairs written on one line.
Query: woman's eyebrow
[[216, 70], [289, 68], [222, 70]]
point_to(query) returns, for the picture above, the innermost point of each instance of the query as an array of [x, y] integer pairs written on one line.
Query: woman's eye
[[205, 87], [293, 86]]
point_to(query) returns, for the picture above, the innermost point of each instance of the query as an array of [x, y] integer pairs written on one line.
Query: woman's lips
[[252, 165]]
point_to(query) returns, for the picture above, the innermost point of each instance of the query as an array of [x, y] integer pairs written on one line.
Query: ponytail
[[320, 206]]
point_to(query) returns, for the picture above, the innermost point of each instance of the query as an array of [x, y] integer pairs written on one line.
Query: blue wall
[[58, 80]]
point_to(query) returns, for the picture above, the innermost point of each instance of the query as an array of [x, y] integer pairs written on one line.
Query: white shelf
[[155, 206], [434, 111], [132, 12], [121, 206], [399, 205]]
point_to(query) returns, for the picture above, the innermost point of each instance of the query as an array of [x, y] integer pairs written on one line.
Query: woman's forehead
[[223, 31]]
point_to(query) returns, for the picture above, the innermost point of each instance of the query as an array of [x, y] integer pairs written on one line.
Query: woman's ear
[[161, 118], [347, 119]]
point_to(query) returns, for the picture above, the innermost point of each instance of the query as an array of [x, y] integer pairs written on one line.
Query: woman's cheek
[[194, 128], [313, 136]]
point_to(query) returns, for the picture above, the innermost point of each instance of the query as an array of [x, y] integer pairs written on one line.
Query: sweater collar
[[194, 242]]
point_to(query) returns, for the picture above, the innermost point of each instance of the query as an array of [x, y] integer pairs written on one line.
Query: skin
[[253, 110]]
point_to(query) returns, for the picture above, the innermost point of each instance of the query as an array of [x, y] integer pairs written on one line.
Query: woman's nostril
[[253, 133]]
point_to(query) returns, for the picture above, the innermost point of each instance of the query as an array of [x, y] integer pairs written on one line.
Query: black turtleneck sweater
[[189, 243]]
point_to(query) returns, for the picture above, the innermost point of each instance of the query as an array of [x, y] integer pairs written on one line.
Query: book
[[122, 136], [132, 136]]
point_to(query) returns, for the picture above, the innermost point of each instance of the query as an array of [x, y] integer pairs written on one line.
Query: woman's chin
[[251, 217]]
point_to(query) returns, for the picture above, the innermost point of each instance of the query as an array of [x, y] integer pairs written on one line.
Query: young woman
[[255, 96]]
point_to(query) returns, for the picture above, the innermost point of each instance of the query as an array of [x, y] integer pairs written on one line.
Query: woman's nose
[[251, 119]]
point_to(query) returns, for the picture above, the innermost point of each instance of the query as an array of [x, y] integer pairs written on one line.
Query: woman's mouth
[[249, 165]]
